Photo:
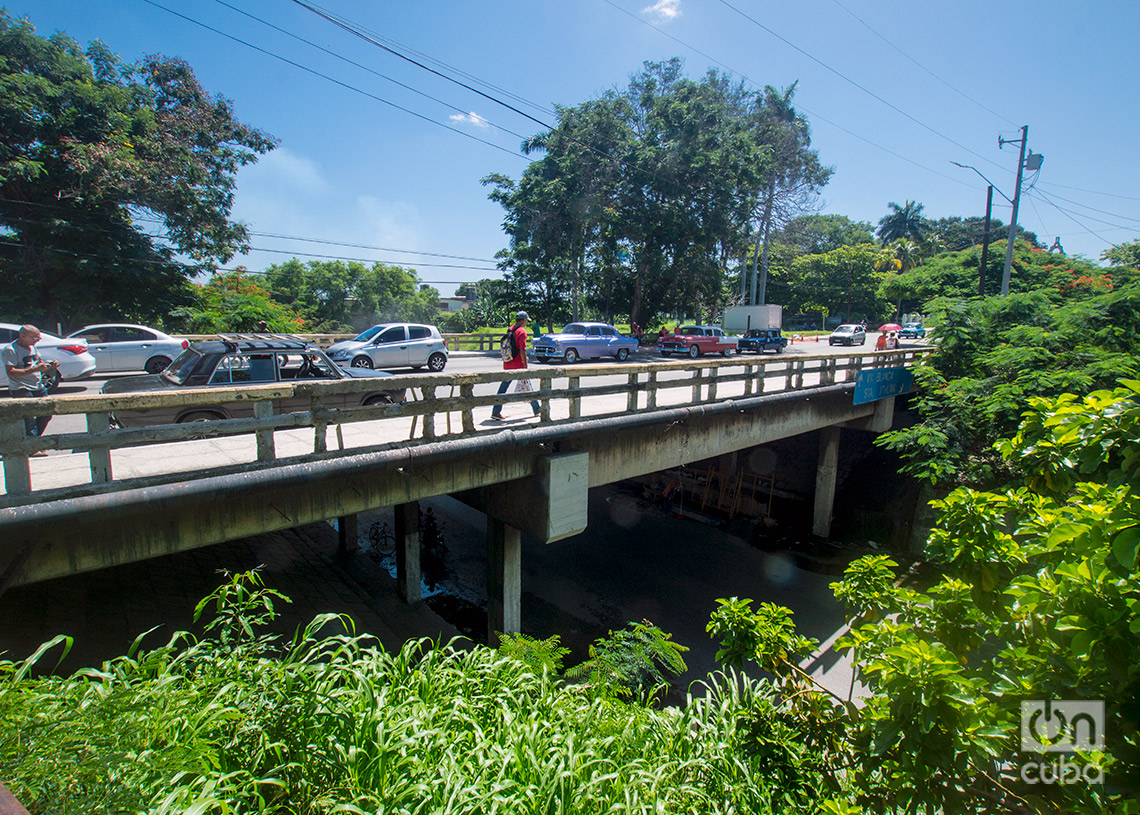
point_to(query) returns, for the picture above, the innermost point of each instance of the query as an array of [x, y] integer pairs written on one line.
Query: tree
[[816, 234], [958, 233], [1124, 254], [639, 200], [234, 301], [1035, 599], [90, 151], [843, 281], [339, 296], [992, 355], [793, 180], [903, 222]]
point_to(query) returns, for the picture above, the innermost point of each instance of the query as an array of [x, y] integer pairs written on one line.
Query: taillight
[[185, 344], [73, 349]]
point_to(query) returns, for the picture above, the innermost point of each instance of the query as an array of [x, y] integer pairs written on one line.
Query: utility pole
[[1016, 200], [985, 242]]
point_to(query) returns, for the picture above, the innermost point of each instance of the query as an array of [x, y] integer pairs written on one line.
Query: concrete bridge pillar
[[504, 580], [825, 480], [408, 551]]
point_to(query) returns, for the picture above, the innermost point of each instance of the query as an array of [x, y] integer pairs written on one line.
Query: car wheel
[[862, 340], [694, 352], [542, 358], [51, 379], [156, 365], [831, 342], [361, 362], [436, 362], [724, 352], [199, 416], [570, 357], [622, 354], [379, 399]]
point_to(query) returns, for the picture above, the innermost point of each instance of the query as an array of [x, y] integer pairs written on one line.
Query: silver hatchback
[[392, 345]]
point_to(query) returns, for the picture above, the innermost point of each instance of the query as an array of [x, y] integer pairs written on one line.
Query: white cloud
[[663, 10], [288, 194], [471, 118], [284, 171]]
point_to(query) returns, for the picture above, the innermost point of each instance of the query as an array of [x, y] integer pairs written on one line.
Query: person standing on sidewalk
[[517, 361], [25, 368]]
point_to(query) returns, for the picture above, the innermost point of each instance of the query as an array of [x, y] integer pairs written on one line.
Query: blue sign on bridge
[[879, 383]]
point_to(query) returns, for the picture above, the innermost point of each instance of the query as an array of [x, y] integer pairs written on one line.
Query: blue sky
[[894, 93]]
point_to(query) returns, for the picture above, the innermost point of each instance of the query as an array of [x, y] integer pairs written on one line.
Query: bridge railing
[[438, 406], [455, 342]]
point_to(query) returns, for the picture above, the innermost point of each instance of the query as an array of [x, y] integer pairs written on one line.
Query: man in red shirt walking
[[516, 362]]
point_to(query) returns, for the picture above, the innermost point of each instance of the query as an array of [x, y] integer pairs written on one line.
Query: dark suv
[[759, 340], [241, 360]]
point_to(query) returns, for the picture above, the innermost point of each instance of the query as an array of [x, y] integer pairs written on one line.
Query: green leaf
[[1125, 545]]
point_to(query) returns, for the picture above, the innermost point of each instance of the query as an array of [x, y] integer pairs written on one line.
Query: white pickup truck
[[695, 340]]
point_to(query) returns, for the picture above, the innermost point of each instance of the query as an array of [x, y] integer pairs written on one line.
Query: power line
[[399, 46], [1095, 192], [155, 262], [353, 29], [328, 78], [863, 88], [920, 65], [1074, 220], [806, 110], [361, 66], [274, 235]]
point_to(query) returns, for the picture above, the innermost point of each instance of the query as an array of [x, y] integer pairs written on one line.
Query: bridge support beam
[[408, 551], [347, 532], [825, 474], [504, 580]]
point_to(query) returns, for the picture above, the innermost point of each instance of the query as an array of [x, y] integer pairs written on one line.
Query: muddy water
[[633, 563]]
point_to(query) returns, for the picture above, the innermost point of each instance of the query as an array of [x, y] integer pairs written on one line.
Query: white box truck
[[739, 319]]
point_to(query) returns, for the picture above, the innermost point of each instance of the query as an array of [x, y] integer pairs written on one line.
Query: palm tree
[[903, 222]]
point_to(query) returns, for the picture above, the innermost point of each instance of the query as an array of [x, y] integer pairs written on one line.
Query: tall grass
[[241, 722]]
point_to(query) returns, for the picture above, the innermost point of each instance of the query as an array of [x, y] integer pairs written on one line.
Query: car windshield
[[368, 333], [184, 365], [574, 328], [845, 329]]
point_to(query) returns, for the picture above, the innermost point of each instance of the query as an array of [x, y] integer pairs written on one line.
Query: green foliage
[[642, 196], [234, 301], [92, 152], [906, 222], [1039, 598], [993, 356], [842, 281], [819, 234], [337, 296], [1124, 254], [544, 656], [246, 722], [631, 662]]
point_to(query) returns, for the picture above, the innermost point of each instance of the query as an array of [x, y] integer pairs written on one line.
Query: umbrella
[[890, 327]]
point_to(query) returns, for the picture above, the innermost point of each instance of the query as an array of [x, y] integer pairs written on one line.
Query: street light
[[976, 170], [986, 228]]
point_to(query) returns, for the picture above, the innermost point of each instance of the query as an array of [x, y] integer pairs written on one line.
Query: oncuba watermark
[[1062, 726]]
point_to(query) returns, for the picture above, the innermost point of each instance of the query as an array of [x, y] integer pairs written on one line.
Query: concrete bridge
[[127, 495]]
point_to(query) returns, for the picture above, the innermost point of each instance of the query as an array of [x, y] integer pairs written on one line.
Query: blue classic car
[[584, 341]]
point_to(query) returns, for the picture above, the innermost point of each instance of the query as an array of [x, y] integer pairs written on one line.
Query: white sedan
[[125, 347], [75, 362]]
